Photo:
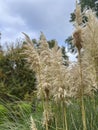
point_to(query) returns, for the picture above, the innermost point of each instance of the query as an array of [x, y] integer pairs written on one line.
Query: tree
[[64, 55], [51, 43], [17, 79]]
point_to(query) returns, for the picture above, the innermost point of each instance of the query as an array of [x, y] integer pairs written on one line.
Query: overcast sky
[[32, 16]]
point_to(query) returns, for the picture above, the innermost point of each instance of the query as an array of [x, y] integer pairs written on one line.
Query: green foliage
[[15, 77], [25, 107], [3, 112], [18, 115], [70, 46], [64, 55], [51, 43]]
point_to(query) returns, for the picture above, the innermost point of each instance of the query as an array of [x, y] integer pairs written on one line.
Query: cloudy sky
[[32, 16]]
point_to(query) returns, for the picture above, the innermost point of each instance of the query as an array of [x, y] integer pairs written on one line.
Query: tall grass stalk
[[46, 114], [78, 43], [65, 118], [82, 92]]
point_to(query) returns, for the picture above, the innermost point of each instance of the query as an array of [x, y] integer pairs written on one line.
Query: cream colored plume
[[90, 41], [86, 37], [78, 15], [50, 72], [31, 54], [88, 80]]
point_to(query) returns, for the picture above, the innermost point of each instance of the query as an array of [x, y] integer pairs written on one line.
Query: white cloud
[[32, 16], [72, 57]]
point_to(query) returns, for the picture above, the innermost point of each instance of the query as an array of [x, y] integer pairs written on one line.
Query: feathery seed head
[[77, 38], [31, 54], [78, 14], [43, 40]]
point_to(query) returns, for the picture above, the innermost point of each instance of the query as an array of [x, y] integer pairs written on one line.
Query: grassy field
[[16, 116]]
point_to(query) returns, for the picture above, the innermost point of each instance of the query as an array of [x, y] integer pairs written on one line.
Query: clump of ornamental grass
[[36, 63], [60, 85], [85, 72], [85, 39], [50, 72], [77, 40], [57, 83], [37, 60], [90, 41]]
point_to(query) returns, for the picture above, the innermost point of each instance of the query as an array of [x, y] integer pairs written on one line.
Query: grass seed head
[[77, 38]]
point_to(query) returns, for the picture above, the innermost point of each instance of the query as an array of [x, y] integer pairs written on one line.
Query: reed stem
[[82, 92]]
